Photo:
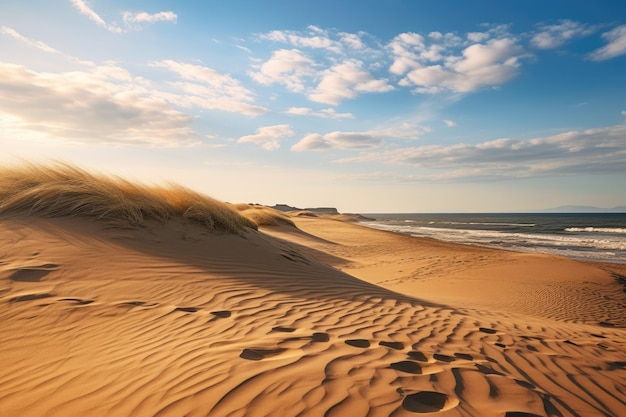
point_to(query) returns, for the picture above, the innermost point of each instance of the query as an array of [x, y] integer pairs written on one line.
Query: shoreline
[[587, 237], [516, 250]]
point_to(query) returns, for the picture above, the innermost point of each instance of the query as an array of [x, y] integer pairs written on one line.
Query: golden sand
[[326, 319]]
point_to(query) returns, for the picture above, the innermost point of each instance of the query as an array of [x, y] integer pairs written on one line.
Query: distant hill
[[316, 210], [582, 209]]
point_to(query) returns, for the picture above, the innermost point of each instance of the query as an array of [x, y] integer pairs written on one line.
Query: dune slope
[[173, 320]]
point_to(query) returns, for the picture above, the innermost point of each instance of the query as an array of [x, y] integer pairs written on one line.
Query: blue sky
[[369, 106]]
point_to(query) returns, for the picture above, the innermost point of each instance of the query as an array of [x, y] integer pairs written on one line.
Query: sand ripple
[[175, 322]]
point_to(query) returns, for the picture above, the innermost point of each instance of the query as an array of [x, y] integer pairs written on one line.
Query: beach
[[312, 316], [172, 321]]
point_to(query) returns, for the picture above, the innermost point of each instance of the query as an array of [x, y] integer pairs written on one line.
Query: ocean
[[587, 236]]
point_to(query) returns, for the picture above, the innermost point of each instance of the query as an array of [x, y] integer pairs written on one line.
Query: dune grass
[[61, 190], [263, 215]]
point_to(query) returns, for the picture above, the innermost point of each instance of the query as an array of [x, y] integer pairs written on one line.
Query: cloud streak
[[591, 151], [616, 45], [316, 38], [553, 36], [84, 9], [338, 140], [324, 113], [104, 105], [132, 20], [370, 139], [268, 137], [42, 46], [206, 88]]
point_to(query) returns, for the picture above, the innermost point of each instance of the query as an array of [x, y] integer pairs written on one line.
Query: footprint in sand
[[320, 337], [315, 338], [77, 301], [30, 297], [615, 365], [418, 356], [257, 354], [360, 343], [392, 345], [486, 330], [222, 314], [34, 274], [139, 304], [428, 402], [186, 309], [283, 329], [409, 367], [465, 356], [444, 358]]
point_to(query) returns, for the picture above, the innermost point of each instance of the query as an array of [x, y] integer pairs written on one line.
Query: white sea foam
[[597, 229], [488, 224], [586, 246]]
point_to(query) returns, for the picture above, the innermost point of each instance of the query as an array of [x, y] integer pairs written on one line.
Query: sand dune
[[174, 319]]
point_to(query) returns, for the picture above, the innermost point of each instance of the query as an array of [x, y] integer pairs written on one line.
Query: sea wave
[[620, 230], [611, 247], [487, 224]]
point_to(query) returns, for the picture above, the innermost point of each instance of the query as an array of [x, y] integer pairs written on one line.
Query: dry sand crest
[[173, 319]]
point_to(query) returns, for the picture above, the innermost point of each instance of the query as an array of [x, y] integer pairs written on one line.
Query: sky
[[367, 106]]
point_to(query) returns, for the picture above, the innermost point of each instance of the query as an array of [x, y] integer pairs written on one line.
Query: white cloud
[[553, 36], [243, 48], [346, 81], [480, 65], [268, 137], [132, 18], [449, 123], [478, 36], [319, 73], [592, 151], [288, 67], [319, 41], [352, 40], [359, 140], [37, 44], [95, 17], [299, 111], [316, 38], [446, 62], [211, 89], [405, 130], [42, 46], [324, 113], [338, 140], [103, 105], [616, 45]]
